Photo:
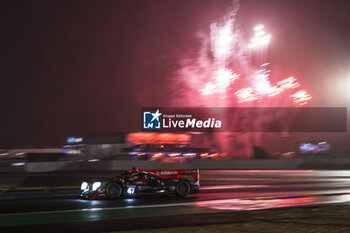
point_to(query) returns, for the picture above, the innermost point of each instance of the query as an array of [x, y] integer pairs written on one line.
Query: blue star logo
[[151, 120]]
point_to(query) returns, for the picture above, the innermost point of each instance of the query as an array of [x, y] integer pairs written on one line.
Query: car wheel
[[114, 190], [183, 188]]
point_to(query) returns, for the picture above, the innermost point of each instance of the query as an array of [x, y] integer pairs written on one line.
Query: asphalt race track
[[224, 196]]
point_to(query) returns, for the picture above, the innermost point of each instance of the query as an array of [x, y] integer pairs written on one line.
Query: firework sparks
[[211, 74], [301, 97], [250, 94], [222, 40], [223, 49], [288, 83], [223, 79], [246, 95], [209, 88], [261, 81], [284, 84], [260, 38], [275, 90]]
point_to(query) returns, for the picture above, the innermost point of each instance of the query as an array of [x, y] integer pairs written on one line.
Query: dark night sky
[[77, 67]]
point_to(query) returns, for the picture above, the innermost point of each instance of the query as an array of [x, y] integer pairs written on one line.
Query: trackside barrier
[[117, 165], [46, 166], [234, 164], [38, 192]]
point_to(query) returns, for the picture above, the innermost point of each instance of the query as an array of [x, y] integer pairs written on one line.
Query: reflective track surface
[[224, 195]]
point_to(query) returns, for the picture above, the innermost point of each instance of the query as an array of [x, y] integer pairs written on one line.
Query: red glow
[[214, 156], [157, 156], [158, 138]]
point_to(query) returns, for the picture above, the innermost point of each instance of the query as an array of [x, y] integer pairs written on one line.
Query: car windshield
[[135, 176]]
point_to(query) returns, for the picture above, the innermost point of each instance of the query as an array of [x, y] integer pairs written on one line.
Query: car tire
[[114, 190], [183, 188]]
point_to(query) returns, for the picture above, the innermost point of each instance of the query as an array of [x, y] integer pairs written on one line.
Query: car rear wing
[[172, 173]]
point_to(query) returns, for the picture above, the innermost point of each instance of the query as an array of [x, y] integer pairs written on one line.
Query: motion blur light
[[18, 164], [84, 186], [93, 160], [96, 185]]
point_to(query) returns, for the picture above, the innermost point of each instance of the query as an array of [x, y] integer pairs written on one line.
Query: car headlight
[[96, 185], [83, 186]]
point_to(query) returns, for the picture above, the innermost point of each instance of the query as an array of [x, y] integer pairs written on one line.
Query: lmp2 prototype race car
[[141, 182]]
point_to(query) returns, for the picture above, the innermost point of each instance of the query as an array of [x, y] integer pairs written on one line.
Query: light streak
[[275, 90], [288, 83], [246, 95], [282, 85], [260, 37], [209, 88], [301, 97]]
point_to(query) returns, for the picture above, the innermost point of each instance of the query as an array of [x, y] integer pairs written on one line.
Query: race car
[[136, 182]]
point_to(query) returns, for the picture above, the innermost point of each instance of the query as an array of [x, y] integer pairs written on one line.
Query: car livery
[[142, 182]]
